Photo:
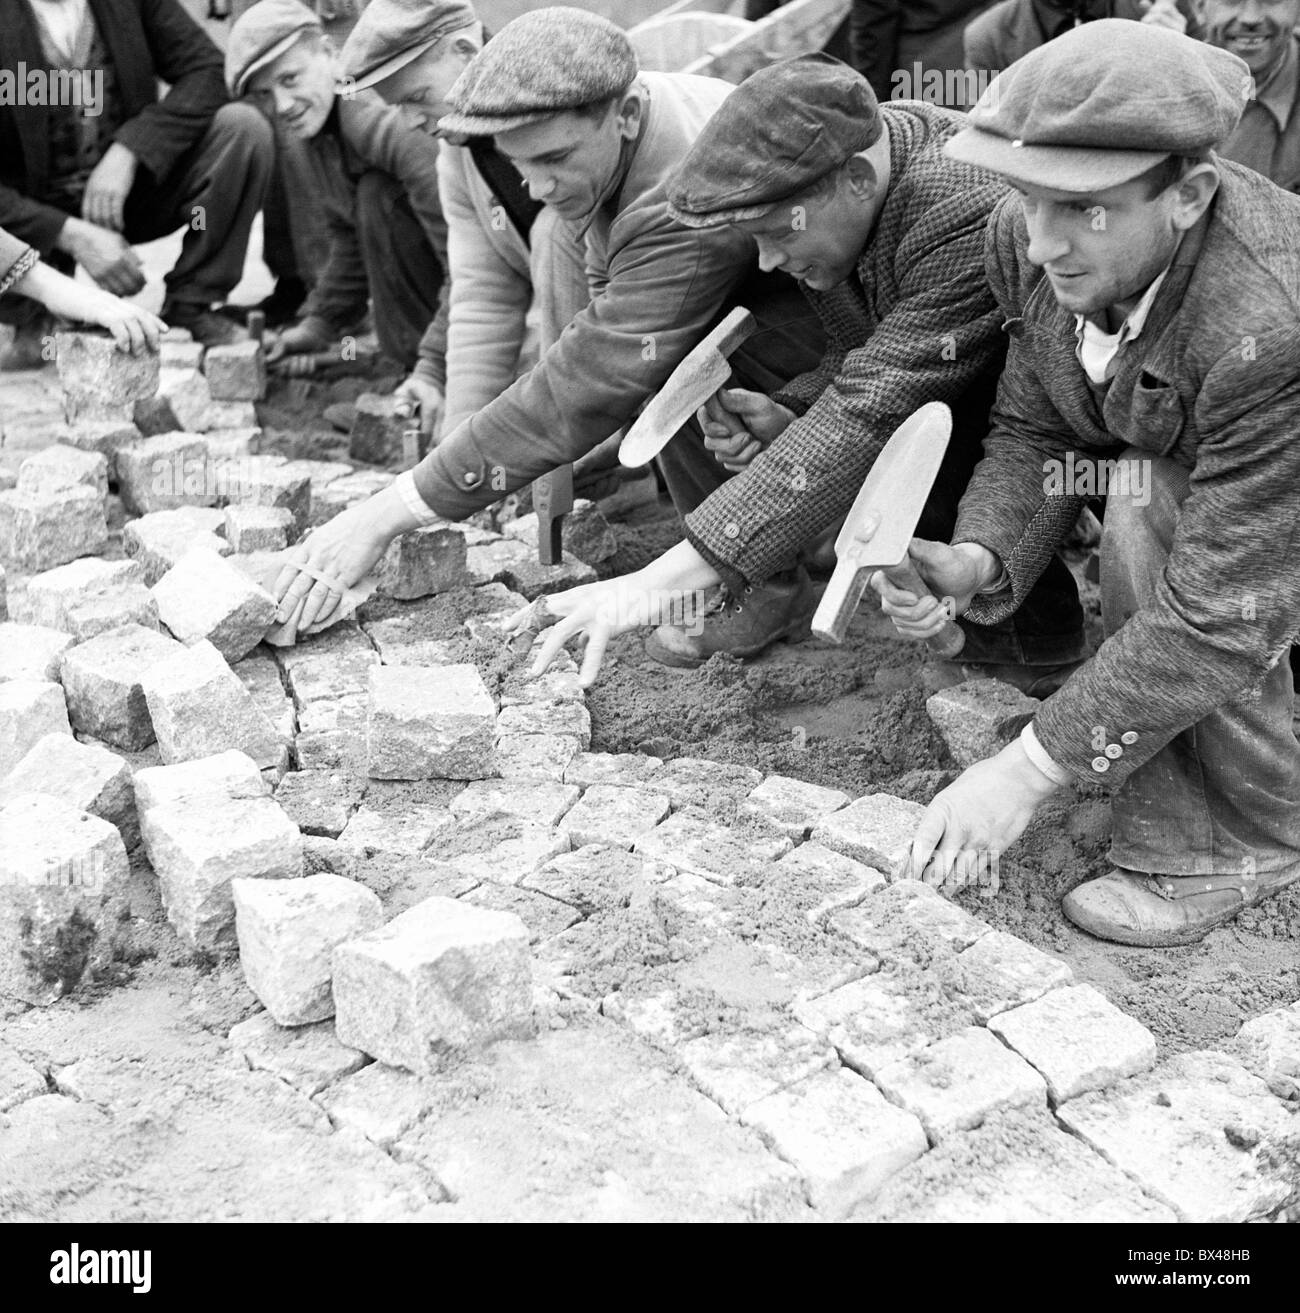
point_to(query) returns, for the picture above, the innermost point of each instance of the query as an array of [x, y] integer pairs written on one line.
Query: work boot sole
[[798, 631], [1176, 936]]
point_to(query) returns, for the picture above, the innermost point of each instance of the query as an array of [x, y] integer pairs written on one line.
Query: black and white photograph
[[647, 612]]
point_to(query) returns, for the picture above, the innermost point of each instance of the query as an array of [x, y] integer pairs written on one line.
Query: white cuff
[[411, 499], [1038, 755]]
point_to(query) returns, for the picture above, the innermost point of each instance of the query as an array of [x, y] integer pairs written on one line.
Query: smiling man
[[1262, 32], [1152, 295], [373, 171]]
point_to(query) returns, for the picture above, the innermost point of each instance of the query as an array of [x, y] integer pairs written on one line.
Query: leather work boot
[[740, 626], [1161, 911]]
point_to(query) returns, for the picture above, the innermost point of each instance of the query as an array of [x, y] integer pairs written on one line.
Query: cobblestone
[[835, 881], [163, 472], [39, 530], [423, 563], [1200, 1133], [29, 710], [31, 651], [62, 881], [203, 596], [609, 814], [791, 805], [59, 467], [876, 830], [1078, 1040], [693, 844], [91, 596], [102, 677], [840, 1134], [83, 775], [627, 768], [538, 802], [979, 718], [199, 707], [908, 919], [307, 1057], [158, 540], [319, 802], [258, 528], [535, 756], [429, 723], [736, 1070], [288, 930], [956, 1083], [999, 972], [1270, 1048], [436, 980]]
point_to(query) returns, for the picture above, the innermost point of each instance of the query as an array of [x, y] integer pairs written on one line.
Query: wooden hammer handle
[[950, 640]]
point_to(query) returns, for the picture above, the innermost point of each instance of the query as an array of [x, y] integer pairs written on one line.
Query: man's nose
[[769, 256], [1251, 14], [284, 101], [1046, 243], [539, 188]]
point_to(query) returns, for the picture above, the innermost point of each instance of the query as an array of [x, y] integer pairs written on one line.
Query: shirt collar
[[1278, 94], [1097, 350]]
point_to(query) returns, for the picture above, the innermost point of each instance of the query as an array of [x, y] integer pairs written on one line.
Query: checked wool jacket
[[917, 324], [1213, 382]]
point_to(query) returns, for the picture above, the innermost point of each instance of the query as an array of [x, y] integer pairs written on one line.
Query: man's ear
[[1192, 196], [861, 176], [629, 116]]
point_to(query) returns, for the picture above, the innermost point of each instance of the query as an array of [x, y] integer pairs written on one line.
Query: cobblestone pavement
[[733, 1014]]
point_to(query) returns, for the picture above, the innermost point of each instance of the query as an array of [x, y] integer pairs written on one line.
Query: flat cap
[[782, 130], [1103, 103], [261, 35], [542, 63], [391, 33]]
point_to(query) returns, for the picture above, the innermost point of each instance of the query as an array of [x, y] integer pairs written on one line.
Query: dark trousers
[[405, 275], [215, 191], [1047, 628]]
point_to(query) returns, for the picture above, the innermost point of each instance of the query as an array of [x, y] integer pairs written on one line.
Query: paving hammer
[[882, 522]]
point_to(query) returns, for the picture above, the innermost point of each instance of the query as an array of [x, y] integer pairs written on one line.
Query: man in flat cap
[[885, 235], [503, 248], [81, 182], [373, 172], [559, 91], [1151, 291]]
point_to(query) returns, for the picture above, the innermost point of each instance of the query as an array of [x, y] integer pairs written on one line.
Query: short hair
[[1171, 171]]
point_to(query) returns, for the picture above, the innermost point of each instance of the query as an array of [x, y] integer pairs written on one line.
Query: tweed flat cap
[[1103, 103], [541, 63], [261, 35], [391, 33], [783, 129]]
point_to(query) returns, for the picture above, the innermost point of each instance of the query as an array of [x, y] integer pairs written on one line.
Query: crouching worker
[[1152, 295], [886, 236], [373, 172]]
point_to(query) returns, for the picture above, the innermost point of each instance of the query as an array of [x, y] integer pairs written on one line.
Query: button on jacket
[[1213, 383]]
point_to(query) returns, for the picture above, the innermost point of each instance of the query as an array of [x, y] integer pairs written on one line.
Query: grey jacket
[[656, 289], [1213, 382]]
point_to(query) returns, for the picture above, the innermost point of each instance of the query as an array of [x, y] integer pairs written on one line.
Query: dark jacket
[[919, 325], [362, 133], [1001, 35], [148, 40], [877, 29], [1212, 382]]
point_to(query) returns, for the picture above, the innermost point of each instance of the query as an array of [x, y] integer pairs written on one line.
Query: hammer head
[[689, 386]]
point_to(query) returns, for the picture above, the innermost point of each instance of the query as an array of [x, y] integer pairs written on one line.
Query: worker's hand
[[1163, 13], [971, 822], [295, 341], [103, 203], [105, 255], [345, 550], [952, 573], [596, 612], [671, 588], [134, 329], [427, 400], [737, 425]]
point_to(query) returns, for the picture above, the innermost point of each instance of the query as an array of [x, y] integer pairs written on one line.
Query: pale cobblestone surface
[[693, 1057]]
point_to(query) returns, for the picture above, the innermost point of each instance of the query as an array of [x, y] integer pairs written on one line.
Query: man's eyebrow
[[542, 158]]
